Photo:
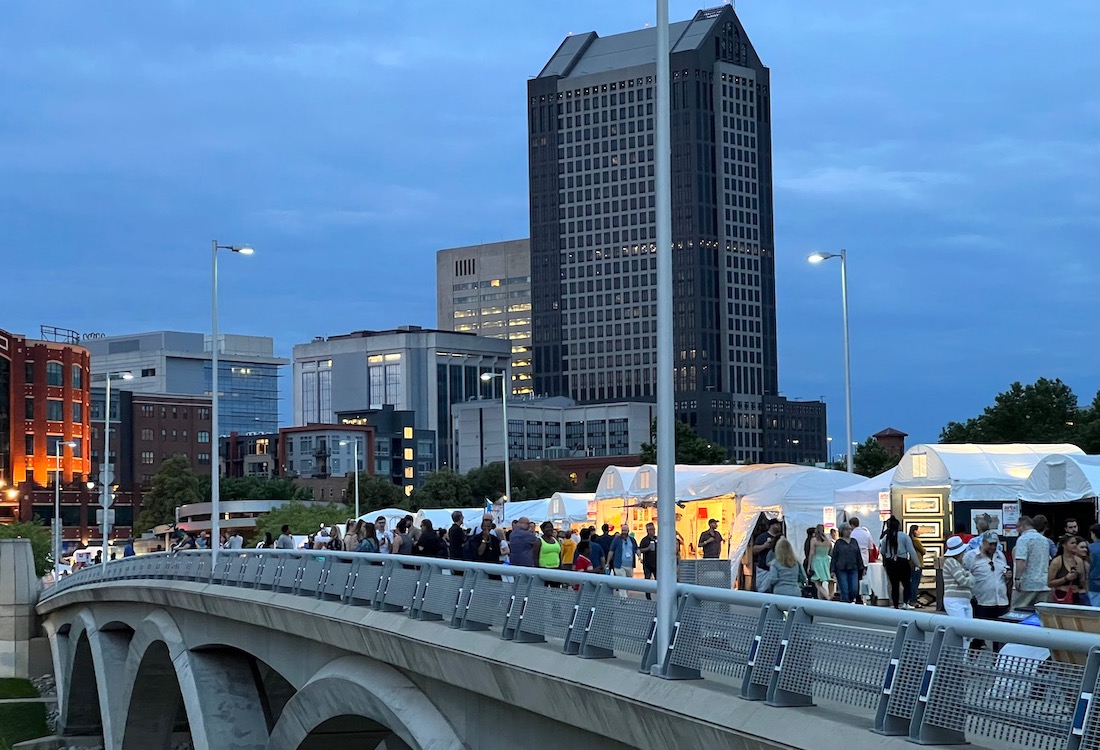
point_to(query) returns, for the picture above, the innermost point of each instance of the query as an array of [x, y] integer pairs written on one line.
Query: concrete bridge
[[280, 650]]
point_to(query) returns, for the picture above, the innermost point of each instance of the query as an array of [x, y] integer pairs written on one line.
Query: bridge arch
[[372, 697], [83, 697], [212, 690]]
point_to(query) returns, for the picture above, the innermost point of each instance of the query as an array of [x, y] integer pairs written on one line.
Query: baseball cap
[[990, 537]]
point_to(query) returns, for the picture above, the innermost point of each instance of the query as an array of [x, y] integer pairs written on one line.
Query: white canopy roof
[[1061, 477], [392, 516], [798, 496], [732, 480], [974, 471], [615, 482], [644, 487], [865, 492], [569, 506]]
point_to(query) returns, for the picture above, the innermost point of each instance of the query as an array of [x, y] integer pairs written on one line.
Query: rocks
[[45, 685]]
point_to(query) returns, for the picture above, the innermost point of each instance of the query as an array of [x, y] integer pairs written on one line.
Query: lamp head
[[487, 376], [126, 375], [69, 444], [818, 257], [243, 249]]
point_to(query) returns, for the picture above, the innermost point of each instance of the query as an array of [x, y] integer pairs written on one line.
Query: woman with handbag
[[1068, 574], [899, 559]]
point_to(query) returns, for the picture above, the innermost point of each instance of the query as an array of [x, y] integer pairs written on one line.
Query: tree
[[443, 489], [871, 459], [548, 480], [591, 482], [39, 537], [375, 492], [262, 488], [174, 485], [1043, 412], [690, 447], [302, 518]]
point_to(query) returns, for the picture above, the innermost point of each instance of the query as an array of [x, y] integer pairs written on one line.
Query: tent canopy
[[733, 480], [974, 471], [644, 487], [392, 516], [615, 482], [865, 492], [1061, 478], [571, 507]]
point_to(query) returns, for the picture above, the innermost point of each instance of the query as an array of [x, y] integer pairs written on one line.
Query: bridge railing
[[907, 673]]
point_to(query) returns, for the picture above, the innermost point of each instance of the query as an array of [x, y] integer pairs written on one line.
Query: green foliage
[[302, 518], [174, 484], [488, 482], [20, 722], [690, 447], [261, 488], [375, 493], [869, 460], [591, 482], [443, 489], [11, 687], [41, 543], [1043, 412]]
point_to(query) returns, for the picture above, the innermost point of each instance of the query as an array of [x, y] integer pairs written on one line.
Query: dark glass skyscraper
[[593, 231]]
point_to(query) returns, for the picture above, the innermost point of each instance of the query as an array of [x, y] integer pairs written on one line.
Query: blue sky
[[952, 148]]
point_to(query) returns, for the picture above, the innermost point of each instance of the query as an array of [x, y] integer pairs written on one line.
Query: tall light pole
[[504, 381], [215, 474], [57, 508], [843, 255], [666, 447], [106, 472], [355, 464]]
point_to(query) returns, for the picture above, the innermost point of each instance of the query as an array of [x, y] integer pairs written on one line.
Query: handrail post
[[751, 691], [522, 635], [515, 605], [921, 731], [601, 613], [1082, 712], [668, 668], [471, 585], [886, 723], [785, 697], [420, 594]]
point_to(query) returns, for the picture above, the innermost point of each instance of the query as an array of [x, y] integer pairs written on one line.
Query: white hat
[[955, 546]]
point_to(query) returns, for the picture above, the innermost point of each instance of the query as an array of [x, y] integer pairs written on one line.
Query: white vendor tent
[[441, 517], [798, 497], [864, 496], [644, 487], [728, 481], [1062, 478], [569, 507], [614, 482], [974, 471], [392, 516]]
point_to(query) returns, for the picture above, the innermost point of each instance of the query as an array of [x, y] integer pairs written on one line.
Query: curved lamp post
[[843, 255]]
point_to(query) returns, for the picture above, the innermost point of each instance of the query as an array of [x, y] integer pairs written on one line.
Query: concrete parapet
[[19, 623]]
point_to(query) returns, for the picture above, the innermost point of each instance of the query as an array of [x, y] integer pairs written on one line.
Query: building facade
[[319, 451], [548, 428], [795, 431], [250, 455], [414, 369], [402, 452], [44, 388], [486, 289], [180, 363], [593, 225]]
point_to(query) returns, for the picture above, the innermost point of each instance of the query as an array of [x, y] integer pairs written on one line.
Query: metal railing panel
[[440, 595], [364, 587], [486, 601], [400, 586], [840, 663], [549, 610], [711, 573], [910, 670], [714, 637], [1024, 702], [310, 574], [626, 625], [336, 579]]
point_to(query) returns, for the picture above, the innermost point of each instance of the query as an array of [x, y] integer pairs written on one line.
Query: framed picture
[[991, 517], [932, 551], [927, 529], [931, 505]]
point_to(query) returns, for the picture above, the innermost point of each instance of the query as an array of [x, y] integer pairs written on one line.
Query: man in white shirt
[[236, 541], [862, 537], [385, 538], [1031, 558]]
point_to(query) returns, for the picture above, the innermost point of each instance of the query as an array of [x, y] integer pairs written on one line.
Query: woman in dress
[[821, 548], [1068, 574]]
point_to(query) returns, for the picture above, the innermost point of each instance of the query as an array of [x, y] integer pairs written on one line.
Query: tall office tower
[[593, 225], [486, 289]]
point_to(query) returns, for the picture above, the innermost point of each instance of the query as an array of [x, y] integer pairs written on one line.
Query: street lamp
[[106, 474], [355, 464], [215, 474], [843, 255], [57, 508], [487, 377]]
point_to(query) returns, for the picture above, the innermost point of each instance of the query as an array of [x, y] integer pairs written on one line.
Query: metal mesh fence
[[715, 573], [488, 602], [622, 625], [440, 596], [1090, 736], [903, 696], [549, 611], [309, 577], [584, 611], [401, 585], [767, 651], [714, 638], [366, 582], [839, 663], [335, 583], [1022, 701]]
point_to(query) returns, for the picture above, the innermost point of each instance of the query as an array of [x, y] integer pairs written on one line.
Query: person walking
[[990, 571], [821, 563], [862, 537], [648, 550], [624, 553], [958, 583], [846, 564], [785, 576], [898, 559], [1031, 557]]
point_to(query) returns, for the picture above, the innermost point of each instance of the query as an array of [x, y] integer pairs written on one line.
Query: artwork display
[[931, 505]]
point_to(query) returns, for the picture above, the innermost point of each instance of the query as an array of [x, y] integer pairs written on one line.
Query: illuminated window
[[408, 455], [408, 433], [408, 472], [408, 490], [920, 465]]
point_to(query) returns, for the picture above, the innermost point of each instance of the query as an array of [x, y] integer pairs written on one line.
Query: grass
[[20, 721], [17, 689]]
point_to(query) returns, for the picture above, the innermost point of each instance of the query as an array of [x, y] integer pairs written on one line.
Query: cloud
[[867, 181]]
